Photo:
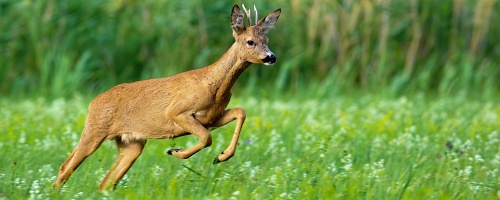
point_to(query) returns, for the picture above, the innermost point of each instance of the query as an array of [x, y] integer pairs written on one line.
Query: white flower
[[478, 158], [348, 162]]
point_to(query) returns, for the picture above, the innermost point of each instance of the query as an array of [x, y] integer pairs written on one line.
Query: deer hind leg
[[88, 144], [189, 124], [229, 116], [128, 152]]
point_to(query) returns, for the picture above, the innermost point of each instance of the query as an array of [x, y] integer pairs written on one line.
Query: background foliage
[[56, 48]]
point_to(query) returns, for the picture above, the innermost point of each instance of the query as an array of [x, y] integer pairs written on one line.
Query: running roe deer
[[187, 103]]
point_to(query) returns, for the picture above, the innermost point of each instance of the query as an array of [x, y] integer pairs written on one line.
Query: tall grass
[[55, 48]]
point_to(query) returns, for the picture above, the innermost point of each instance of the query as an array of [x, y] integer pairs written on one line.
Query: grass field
[[369, 147]]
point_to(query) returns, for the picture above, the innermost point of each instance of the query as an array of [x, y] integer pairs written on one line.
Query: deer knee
[[206, 140], [209, 141], [240, 113]]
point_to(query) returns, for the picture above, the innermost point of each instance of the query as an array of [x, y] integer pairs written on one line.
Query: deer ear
[[237, 20], [268, 22]]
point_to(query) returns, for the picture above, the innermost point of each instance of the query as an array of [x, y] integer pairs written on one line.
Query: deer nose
[[269, 59]]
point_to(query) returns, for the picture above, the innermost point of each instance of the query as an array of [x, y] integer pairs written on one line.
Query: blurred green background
[[56, 48]]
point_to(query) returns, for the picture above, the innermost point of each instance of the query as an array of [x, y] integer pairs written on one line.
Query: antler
[[248, 14], [256, 15]]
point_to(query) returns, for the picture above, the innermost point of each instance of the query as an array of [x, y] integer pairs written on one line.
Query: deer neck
[[224, 73]]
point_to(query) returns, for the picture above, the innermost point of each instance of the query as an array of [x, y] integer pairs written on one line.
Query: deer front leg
[[229, 116], [189, 124]]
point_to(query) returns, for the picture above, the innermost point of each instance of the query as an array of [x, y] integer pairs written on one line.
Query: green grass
[[364, 147]]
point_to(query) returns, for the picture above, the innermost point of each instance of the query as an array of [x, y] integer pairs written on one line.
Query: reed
[[56, 48]]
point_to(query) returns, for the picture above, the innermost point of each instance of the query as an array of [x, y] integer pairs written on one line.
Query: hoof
[[169, 152], [216, 160], [56, 188]]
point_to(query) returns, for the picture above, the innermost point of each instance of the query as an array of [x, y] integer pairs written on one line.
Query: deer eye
[[250, 42]]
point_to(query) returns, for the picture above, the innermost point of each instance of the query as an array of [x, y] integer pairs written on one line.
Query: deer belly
[[133, 136], [206, 117], [149, 129]]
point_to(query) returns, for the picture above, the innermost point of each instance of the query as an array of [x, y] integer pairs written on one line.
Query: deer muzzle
[[269, 59]]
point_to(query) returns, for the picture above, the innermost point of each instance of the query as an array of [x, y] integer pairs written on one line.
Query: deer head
[[252, 41]]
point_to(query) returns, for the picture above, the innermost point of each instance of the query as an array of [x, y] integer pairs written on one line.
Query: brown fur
[[188, 103]]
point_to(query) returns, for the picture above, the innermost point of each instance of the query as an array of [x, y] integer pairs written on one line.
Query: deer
[[190, 103]]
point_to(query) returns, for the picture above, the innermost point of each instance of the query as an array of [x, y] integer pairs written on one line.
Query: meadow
[[353, 147], [369, 99]]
